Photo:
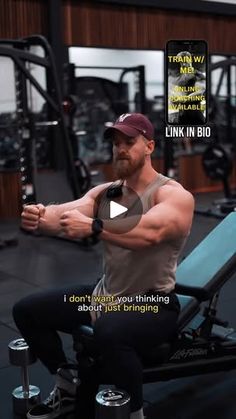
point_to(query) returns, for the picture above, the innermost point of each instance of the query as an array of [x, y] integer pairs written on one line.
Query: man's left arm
[[169, 219]]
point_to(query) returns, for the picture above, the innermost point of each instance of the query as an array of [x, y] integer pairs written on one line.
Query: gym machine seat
[[204, 343]]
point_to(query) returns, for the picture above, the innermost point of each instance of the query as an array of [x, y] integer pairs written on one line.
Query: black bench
[[204, 343]]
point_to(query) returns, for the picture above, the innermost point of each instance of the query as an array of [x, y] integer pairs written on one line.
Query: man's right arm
[[47, 219]]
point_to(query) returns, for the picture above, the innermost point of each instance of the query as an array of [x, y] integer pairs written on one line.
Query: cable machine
[[217, 159], [25, 123]]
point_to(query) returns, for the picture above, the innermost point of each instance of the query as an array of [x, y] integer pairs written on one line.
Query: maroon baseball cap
[[131, 124]]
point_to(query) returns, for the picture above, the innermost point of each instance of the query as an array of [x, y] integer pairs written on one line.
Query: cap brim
[[125, 129]]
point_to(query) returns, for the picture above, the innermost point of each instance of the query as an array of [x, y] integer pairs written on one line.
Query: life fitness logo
[[123, 117]]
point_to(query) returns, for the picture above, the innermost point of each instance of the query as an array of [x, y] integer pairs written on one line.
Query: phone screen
[[186, 82]]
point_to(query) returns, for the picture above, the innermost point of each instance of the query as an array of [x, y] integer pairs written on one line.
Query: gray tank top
[[134, 272]]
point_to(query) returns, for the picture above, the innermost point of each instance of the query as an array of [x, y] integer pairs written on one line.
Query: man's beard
[[125, 167]]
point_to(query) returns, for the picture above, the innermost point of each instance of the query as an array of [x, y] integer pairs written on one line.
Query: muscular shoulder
[[88, 200], [173, 191], [173, 210], [94, 192]]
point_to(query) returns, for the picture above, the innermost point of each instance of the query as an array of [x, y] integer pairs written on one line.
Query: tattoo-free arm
[[50, 222], [169, 219]]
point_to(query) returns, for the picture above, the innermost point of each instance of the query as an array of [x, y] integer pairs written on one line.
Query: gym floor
[[39, 263]]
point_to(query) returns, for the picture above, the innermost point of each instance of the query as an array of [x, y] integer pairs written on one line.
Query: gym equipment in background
[[97, 101], [218, 165], [222, 100], [40, 140], [25, 121], [25, 396]]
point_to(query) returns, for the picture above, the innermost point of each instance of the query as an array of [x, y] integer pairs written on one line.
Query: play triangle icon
[[116, 209]]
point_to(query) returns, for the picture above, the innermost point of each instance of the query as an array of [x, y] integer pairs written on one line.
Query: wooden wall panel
[[19, 18], [10, 195], [88, 24], [192, 176]]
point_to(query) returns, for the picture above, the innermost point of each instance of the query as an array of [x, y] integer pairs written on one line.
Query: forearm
[[50, 223]]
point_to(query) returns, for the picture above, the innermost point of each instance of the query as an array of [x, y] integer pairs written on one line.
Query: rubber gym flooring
[[39, 263]]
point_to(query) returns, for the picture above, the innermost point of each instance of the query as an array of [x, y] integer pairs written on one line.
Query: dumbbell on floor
[[112, 404], [25, 396]]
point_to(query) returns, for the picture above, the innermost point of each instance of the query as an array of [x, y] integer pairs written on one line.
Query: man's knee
[[107, 336]]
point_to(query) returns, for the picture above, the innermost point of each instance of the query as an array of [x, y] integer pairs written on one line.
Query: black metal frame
[[16, 50], [141, 83], [140, 69], [196, 352], [225, 66]]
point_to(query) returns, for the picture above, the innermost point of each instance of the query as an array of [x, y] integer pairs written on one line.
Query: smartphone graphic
[[186, 77]]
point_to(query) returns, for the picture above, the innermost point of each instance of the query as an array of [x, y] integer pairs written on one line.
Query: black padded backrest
[[211, 263], [189, 308]]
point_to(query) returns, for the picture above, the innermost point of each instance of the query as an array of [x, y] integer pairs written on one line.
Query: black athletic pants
[[123, 337]]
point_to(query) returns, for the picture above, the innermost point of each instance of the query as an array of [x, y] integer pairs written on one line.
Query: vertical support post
[[24, 138], [142, 89]]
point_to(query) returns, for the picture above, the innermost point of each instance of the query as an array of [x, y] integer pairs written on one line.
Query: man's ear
[[150, 145]]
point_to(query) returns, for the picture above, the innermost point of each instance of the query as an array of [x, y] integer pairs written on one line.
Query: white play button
[[116, 209], [120, 209]]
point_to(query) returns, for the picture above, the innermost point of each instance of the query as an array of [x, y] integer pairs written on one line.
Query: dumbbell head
[[19, 353], [112, 404], [22, 401]]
